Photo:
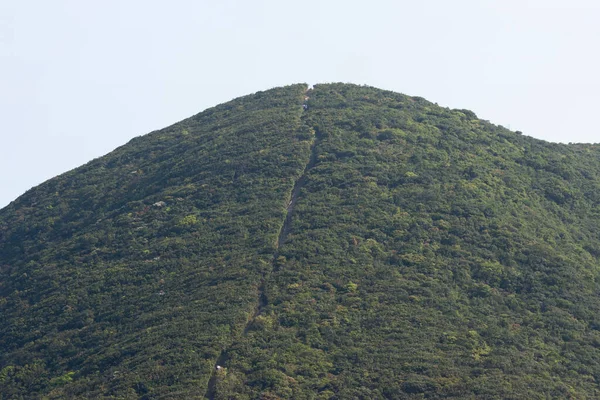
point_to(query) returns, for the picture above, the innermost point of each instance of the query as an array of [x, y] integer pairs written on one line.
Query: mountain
[[338, 242]]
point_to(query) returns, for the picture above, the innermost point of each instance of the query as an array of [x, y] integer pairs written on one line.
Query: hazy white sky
[[79, 78]]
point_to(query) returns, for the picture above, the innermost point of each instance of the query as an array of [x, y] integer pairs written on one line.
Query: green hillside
[[341, 242]]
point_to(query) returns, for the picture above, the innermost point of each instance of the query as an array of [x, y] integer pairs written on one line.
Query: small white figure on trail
[[219, 368]]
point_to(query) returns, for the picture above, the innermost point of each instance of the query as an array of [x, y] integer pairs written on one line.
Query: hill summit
[[338, 242]]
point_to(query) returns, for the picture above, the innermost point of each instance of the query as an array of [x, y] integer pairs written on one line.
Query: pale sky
[[80, 78]]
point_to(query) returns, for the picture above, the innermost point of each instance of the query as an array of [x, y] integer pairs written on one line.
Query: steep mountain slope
[[356, 244], [107, 292]]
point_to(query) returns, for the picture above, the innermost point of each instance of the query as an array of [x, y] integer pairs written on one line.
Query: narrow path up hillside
[[286, 227], [262, 301]]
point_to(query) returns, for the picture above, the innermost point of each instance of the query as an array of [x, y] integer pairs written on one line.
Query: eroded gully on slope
[[283, 234]]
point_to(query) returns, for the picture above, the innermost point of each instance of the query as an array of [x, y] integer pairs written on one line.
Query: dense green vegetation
[[427, 254]]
